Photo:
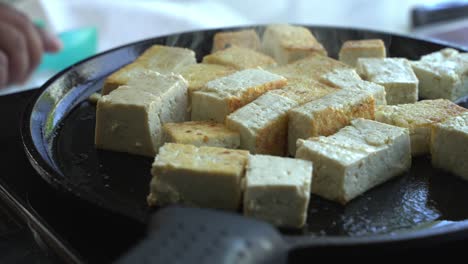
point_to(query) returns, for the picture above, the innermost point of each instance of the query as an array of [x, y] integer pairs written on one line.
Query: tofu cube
[[199, 74], [442, 74], [449, 143], [130, 118], [239, 58], [162, 59], [327, 115], [201, 133], [242, 38], [172, 89], [126, 121], [395, 74], [352, 50], [288, 43], [349, 79], [311, 67], [355, 159], [340, 77], [167, 59], [94, 98], [206, 177], [121, 77], [302, 90], [419, 118], [277, 190], [263, 124], [223, 96]]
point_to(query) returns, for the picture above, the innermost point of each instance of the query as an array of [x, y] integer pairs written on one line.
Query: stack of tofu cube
[[261, 123]]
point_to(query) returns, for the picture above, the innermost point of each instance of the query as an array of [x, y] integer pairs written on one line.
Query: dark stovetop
[[76, 230]]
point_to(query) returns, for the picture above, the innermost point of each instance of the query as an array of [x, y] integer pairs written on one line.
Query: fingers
[[31, 35], [50, 42], [21, 45], [14, 46]]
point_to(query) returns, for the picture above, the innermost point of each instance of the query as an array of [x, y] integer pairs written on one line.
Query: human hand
[[21, 46]]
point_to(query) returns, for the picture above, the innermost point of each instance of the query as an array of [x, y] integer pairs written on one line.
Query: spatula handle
[[190, 235]]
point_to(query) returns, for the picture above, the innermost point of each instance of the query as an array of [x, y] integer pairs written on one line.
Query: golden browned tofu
[[202, 133], [239, 58], [166, 59], [352, 50], [224, 95], [419, 118], [202, 177], [311, 67], [287, 43], [263, 123], [327, 115], [162, 59], [242, 38], [199, 74], [304, 90]]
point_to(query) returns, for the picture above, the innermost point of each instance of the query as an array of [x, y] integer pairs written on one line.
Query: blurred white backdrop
[[122, 21]]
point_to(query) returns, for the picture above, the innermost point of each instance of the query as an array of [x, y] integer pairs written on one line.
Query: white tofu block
[[287, 43], [171, 91], [223, 96], [130, 118], [206, 177], [126, 121], [327, 115], [442, 74], [277, 190], [449, 145], [395, 74], [263, 124], [357, 158], [349, 79], [419, 118]]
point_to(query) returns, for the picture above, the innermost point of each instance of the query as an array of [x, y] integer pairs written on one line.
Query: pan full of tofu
[[318, 131]]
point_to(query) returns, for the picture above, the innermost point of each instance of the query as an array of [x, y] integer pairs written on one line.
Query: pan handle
[[422, 15], [192, 235]]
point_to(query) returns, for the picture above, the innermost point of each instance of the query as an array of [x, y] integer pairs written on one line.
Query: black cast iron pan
[[58, 133]]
